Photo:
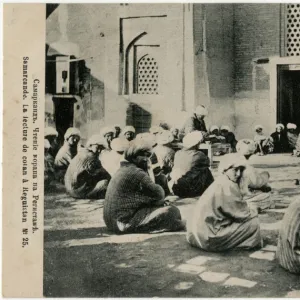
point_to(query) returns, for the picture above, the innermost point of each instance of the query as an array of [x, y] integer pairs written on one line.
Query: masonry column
[[188, 78], [202, 92]]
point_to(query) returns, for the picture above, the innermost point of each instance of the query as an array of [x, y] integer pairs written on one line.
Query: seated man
[[111, 161], [108, 134], [191, 175], [69, 149], [164, 152], [264, 144], [134, 203], [117, 131], [292, 136], [221, 219], [175, 132], [85, 177], [229, 137], [288, 248], [153, 169], [129, 133], [280, 139], [195, 122], [214, 135], [254, 184], [51, 135]]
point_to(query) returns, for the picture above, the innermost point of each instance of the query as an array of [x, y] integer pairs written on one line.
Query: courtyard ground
[[83, 259]]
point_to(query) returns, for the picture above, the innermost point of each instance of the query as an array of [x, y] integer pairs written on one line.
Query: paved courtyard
[[83, 259]]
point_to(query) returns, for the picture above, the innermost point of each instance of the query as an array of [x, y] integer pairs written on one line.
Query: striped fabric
[[64, 156], [84, 173], [133, 203], [288, 250]]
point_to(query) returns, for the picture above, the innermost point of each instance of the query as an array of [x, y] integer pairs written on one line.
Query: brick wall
[[256, 34]]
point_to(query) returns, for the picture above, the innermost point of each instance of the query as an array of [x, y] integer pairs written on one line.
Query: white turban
[[258, 127], [245, 147], [72, 131], [165, 137], [280, 125], [231, 160], [107, 130], [225, 127], [50, 131], [155, 129], [119, 144], [96, 139], [128, 129], [192, 139], [291, 126], [47, 144], [201, 110], [135, 147], [147, 136], [213, 127]]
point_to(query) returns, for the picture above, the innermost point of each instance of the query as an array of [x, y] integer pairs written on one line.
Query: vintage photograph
[[172, 150]]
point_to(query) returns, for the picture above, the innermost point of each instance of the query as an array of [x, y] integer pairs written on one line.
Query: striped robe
[[85, 177], [288, 249], [191, 173], [222, 220], [65, 154], [134, 203], [292, 140]]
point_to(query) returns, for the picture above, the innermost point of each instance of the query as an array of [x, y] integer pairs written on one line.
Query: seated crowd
[[136, 173]]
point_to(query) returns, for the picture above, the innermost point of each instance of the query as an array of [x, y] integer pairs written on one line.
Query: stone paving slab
[[214, 276], [234, 281], [266, 255], [270, 248], [191, 269]]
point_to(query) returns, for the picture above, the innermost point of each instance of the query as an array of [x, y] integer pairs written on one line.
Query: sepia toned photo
[[171, 138]]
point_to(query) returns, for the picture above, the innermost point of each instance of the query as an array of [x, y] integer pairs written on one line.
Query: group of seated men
[[136, 173]]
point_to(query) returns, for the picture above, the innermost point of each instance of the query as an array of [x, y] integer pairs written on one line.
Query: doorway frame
[[274, 63]]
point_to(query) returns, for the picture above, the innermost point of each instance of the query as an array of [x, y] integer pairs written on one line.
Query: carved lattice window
[[292, 45], [147, 70]]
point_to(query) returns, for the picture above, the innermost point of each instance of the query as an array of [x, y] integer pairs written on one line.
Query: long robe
[[292, 140], [280, 142], [297, 148], [288, 249], [191, 173], [64, 156], [85, 176], [222, 220], [134, 203], [193, 124], [266, 143]]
